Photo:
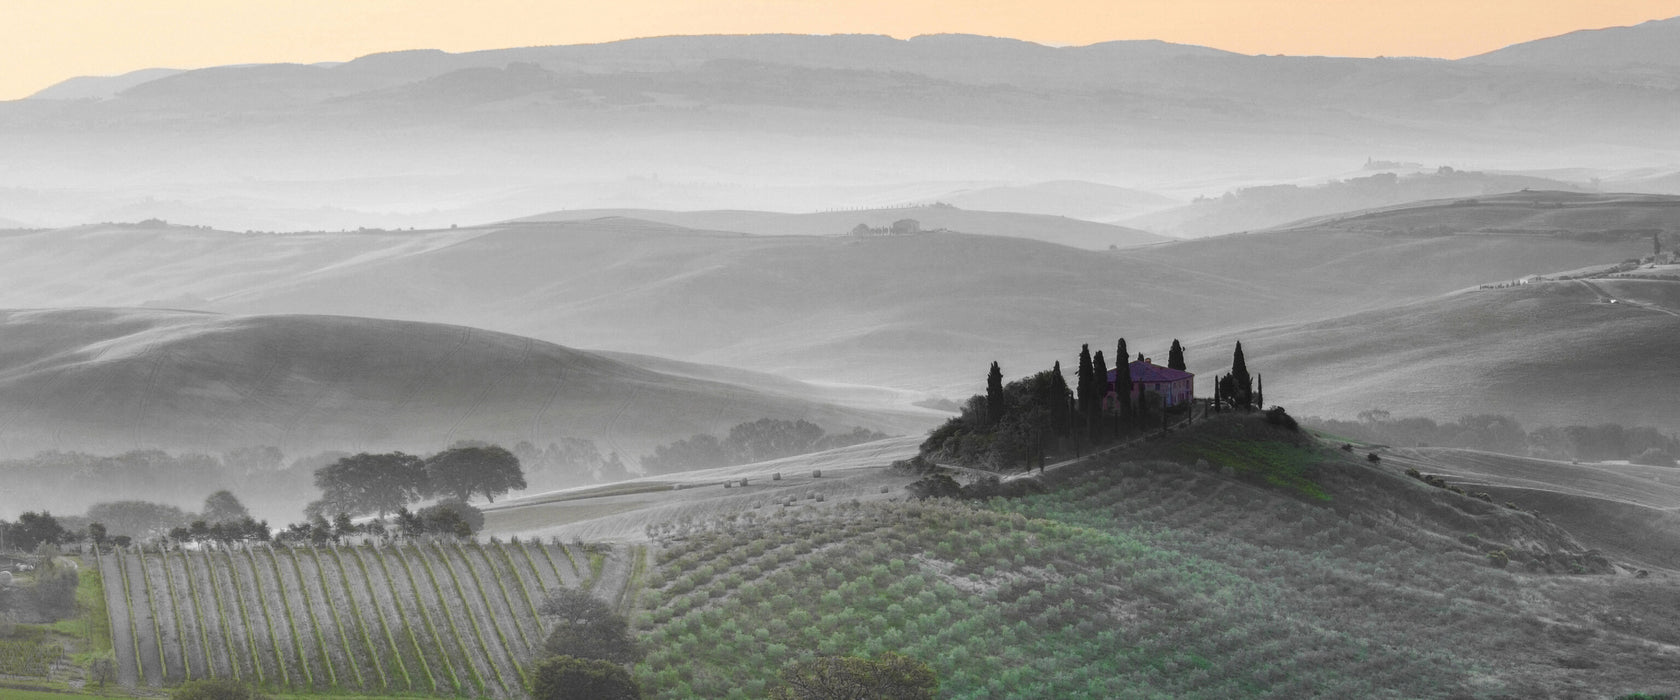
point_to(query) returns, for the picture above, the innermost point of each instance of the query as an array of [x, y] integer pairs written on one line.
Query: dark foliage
[[1175, 356], [994, 394], [32, 530], [935, 486], [216, 689], [571, 678], [1281, 418], [585, 627], [222, 506], [464, 471], [891, 676], [370, 483], [1019, 438]]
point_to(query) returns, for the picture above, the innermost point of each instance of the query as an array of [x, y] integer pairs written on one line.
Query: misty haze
[[846, 366]]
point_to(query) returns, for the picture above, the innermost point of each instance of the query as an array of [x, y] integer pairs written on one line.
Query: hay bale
[[5, 578], [816, 473], [776, 476]]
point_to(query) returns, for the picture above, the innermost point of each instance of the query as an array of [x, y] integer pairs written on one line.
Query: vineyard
[[431, 617]]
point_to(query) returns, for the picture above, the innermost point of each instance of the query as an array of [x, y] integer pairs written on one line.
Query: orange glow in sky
[[49, 40]]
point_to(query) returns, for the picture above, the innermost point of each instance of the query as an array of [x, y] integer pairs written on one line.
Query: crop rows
[[442, 618]]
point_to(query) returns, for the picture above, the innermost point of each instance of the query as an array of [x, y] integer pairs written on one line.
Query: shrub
[[1372, 457], [1482, 496], [1278, 417], [891, 676], [1498, 558], [216, 689], [587, 628], [1414, 473], [570, 678]]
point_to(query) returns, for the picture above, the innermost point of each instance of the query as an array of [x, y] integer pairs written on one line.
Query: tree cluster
[[1011, 426], [890, 676], [586, 651], [382, 483], [755, 441]]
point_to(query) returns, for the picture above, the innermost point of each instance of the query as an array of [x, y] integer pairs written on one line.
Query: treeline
[[757, 441], [272, 482], [1504, 434]]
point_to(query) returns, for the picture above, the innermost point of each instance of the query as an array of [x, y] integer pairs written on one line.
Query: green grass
[[92, 623], [1281, 464]]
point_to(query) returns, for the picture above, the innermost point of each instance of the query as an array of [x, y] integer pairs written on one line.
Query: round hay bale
[[816, 473], [776, 476], [5, 578]]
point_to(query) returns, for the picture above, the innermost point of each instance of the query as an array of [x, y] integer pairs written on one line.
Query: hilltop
[[112, 380], [1060, 230], [1652, 45]]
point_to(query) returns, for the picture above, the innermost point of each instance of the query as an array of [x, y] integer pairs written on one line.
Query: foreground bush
[[216, 689], [892, 676], [570, 678], [587, 629]]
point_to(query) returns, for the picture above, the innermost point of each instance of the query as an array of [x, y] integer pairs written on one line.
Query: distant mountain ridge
[[1654, 44]]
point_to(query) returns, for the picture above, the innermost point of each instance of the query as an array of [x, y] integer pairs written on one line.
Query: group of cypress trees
[[1238, 389], [1015, 423]]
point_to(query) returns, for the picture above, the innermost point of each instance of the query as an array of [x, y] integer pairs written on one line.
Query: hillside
[[1548, 353], [110, 380], [1060, 230], [1267, 206]]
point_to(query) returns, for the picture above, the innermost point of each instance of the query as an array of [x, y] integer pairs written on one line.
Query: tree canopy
[[370, 483], [222, 506], [463, 471], [571, 678], [587, 628]]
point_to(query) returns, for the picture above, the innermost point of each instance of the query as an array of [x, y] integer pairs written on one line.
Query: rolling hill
[[1547, 353], [1061, 230], [110, 380], [912, 312]]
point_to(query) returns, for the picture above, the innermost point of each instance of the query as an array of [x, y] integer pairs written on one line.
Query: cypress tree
[[1099, 389], [1260, 390], [1058, 400], [1122, 386], [1084, 388], [1242, 384], [1175, 356], [994, 394], [1216, 396]]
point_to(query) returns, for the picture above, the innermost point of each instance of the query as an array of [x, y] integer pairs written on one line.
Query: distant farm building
[[1174, 386]]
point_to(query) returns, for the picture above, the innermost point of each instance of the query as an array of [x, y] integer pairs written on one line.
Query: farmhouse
[[1174, 386]]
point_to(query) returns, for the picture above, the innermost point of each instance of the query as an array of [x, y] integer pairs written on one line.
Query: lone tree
[[1241, 384], [370, 483], [1260, 390], [587, 628], [463, 471], [891, 676], [222, 507], [1175, 356], [34, 529], [994, 394], [571, 678]]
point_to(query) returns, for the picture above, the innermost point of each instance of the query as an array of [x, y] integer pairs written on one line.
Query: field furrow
[[224, 619], [266, 594], [404, 658], [545, 576], [465, 612], [498, 584], [614, 575], [329, 635], [293, 612], [194, 637], [351, 623], [122, 618], [157, 661], [469, 668]]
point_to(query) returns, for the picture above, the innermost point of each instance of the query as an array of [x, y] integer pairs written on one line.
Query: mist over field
[[373, 376]]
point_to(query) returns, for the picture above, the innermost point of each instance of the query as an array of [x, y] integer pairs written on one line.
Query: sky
[[50, 40]]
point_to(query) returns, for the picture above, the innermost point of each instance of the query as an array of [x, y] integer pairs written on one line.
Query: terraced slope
[[431, 618]]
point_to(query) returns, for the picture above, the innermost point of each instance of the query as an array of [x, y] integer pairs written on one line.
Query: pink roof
[[1146, 372]]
